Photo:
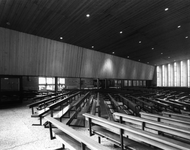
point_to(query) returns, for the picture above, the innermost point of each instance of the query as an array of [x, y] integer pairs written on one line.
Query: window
[[137, 83], [169, 75], [46, 83], [129, 82], [42, 80], [182, 73], [144, 83], [175, 74], [140, 83], [134, 83], [61, 83], [125, 83], [163, 75], [158, 76]]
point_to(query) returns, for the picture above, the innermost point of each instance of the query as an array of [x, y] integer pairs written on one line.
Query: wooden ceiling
[[150, 34]]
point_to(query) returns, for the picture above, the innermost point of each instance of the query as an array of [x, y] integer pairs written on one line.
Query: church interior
[[94, 74]]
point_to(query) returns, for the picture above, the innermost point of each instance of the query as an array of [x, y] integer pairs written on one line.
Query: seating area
[[94, 75], [129, 119]]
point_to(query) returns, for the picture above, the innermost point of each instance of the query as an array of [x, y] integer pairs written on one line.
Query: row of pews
[[129, 120]]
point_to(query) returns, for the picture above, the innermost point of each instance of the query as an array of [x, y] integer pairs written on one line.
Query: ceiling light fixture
[[161, 53], [87, 15], [153, 48], [186, 37], [113, 52], [139, 42], [61, 38], [166, 9], [179, 26], [92, 46], [121, 32]]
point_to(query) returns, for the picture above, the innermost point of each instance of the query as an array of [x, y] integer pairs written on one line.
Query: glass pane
[[129, 82], [61, 81], [42, 87], [50, 87], [61, 87], [144, 83], [125, 82], [42, 80], [50, 80], [158, 76], [134, 83]]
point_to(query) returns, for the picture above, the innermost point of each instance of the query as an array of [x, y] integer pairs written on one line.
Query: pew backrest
[[153, 125], [140, 135], [130, 105], [58, 103], [185, 112], [91, 144], [176, 116], [116, 105], [168, 120]]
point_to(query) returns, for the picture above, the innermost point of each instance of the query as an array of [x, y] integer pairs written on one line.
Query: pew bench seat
[[67, 140], [115, 138], [62, 112], [80, 106], [93, 109]]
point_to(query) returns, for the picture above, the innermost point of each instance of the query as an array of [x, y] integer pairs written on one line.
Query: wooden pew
[[153, 126], [116, 105], [176, 116], [134, 107], [173, 105], [157, 104], [70, 138], [81, 106], [167, 120], [185, 112], [185, 106], [93, 109], [51, 100], [45, 99], [65, 105], [40, 97], [98, 104], [132, 133], [103, 108], [51, 108], [146, 106]]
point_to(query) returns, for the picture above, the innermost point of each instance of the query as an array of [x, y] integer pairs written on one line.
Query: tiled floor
[[17, 132]]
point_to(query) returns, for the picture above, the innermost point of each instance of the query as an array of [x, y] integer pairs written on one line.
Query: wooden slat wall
[[24, 54]]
